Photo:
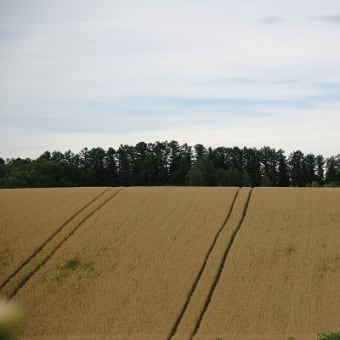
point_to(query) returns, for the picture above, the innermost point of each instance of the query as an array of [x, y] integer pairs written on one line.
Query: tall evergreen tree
[[200, 151], [310, 162], [125, 164], [269, 166], [297, 169], [252, 166], [168, 163], [237, 159], [331, 170], [320, 172], [283, 170], [111, 166]]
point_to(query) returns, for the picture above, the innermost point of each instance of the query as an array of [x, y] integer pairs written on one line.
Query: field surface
[[282, 275], [28, 217], [172, 262]]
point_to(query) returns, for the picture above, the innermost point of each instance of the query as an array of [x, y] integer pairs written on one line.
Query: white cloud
[[71, 70], [288, 130]]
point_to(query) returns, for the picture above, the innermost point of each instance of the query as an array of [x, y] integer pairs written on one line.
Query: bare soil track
[[30, 218], [193, 313], [282, 275], [172, 262], [43, 253], [127, 272]]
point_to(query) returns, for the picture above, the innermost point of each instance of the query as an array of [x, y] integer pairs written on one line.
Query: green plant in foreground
[[291, 338], [11, 317], [329, 336]]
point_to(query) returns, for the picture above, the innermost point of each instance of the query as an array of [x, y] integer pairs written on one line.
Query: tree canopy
[[170, 163]]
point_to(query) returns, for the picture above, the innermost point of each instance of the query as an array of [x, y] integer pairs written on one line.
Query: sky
[[82, 73]]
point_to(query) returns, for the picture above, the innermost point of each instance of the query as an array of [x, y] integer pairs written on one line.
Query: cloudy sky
[[81, 73]]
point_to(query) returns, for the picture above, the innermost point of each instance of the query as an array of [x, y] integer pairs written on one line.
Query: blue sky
[[82, 73]]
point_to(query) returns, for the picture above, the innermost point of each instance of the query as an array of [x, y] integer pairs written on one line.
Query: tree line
[[171, 163]]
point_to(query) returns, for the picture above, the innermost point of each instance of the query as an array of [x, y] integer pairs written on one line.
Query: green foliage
[[197, 176], [76, 266], [233, 177], [5, 334], [329, 336], [298, 169], [71, 264], [291, 338], [332, 184], [315, 184], [266, 181], [11, 317], [171, 163]]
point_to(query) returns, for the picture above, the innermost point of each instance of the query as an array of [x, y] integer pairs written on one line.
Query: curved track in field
[[44, 251], [44, 243], [173, 263], [281, 278], [149, 241], [200, 272], [31, 218], [222, 263]]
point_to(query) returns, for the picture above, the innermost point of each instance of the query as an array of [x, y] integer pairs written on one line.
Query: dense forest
[[169, 163]]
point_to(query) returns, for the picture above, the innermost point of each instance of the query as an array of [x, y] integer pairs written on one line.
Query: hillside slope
[[282, 276], [172, 262]]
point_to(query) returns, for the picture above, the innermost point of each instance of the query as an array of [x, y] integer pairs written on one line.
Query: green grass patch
[[329, 336], [77, 269], [72, 264]]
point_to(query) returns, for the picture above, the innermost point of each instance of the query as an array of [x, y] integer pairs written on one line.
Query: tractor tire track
[[197, 279], [43, 255], [222, 264], [40, 248]]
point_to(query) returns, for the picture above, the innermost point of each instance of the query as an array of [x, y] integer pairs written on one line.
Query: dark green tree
[[169, 163], [233, 177], [2, 169], [125, 155], [283, 171], [252, 167], [320, 172], [310, 163], [161, 151], [333, 170], [95, 166], [111, 167], [269, 166], [57, 156], [203, 172], [200, 151], [46, 155], [297, 169]]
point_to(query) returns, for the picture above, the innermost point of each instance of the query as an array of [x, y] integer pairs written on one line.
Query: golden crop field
[[282, 276], [172, 262], [28, 217]]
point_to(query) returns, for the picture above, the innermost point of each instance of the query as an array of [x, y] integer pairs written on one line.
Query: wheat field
[[172, 262], [282, 276], [28, 217]]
